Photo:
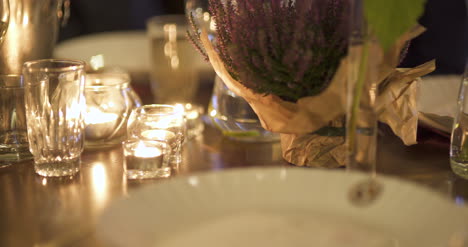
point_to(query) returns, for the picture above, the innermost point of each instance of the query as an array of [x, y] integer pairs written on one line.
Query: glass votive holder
[[146, 159], [159, 123], [109, 102], [193, 119]]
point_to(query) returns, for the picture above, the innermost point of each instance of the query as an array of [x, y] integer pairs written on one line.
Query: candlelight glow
[[180, 107], [95, 116], [193, 114], [97, 62], [213, 113], [143, 151], [99, 181], [206, 16], [170, 47], [163, 123], [158, 134]]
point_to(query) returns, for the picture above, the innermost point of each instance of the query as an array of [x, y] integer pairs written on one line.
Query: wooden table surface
[[37, 211]]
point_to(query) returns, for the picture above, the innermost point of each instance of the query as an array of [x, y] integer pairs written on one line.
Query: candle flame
[[143, 151], [158, 134], [95, 116]]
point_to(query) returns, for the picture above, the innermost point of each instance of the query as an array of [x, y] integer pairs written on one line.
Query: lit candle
[[163, 135], [96, 116], [99, 124], [143, 151], [158, 135], [109, 101], [146, 159]]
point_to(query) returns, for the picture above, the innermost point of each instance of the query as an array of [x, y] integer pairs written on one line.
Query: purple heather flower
[[290, 48]]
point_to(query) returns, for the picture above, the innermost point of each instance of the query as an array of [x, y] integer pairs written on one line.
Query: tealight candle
[[146, 159], [159, 123], [99, 124], [143, 151]]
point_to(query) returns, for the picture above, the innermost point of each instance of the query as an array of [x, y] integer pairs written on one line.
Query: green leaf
[[389, 19]]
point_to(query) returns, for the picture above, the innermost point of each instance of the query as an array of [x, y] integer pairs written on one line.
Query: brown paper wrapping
[[396, 105]]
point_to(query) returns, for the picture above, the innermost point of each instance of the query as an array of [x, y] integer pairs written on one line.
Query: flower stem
[[357, 92]]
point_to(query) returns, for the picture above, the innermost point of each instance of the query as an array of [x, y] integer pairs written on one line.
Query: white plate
[[437, 101], [126, 49], [279, 207]]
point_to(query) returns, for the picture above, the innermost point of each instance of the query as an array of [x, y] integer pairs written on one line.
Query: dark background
[[445, 40], [93, 16]]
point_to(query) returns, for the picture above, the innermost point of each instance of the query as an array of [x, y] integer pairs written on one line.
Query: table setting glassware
[[55, 105], [234, 116], [159, 122], [109, 102], [458, 141], [175, 65], [13, 130], [146, 159]]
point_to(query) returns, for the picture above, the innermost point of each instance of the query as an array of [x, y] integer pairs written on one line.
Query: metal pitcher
[[32, 32]]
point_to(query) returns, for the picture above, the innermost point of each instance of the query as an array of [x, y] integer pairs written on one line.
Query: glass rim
[[141, 110], [69, 65], [133, 141], [109, 80]]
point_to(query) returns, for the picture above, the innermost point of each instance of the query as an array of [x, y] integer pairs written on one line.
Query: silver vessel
[[32, 32]]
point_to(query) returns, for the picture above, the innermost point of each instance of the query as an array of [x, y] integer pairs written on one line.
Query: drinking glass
[[55, 104], [13, 132], [159, 123], [175, 64], [458, 141]]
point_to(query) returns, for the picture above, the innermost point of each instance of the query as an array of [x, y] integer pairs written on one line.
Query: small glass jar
[[109, 102]]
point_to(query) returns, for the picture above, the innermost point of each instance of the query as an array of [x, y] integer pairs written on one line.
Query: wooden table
[[37, 211]]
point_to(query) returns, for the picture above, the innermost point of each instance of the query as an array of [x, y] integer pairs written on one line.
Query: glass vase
[[234, 116], [361, 122]]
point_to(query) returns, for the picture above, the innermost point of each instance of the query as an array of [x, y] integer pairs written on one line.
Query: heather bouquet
[[288, 59]]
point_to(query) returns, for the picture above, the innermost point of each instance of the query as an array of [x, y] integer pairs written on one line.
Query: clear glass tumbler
[[459, 139], [13, 132], [159, 123], [175, 64], [55, 104]]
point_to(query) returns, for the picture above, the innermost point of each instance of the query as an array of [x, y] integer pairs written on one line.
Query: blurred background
[[445, 40], [91, 16]]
